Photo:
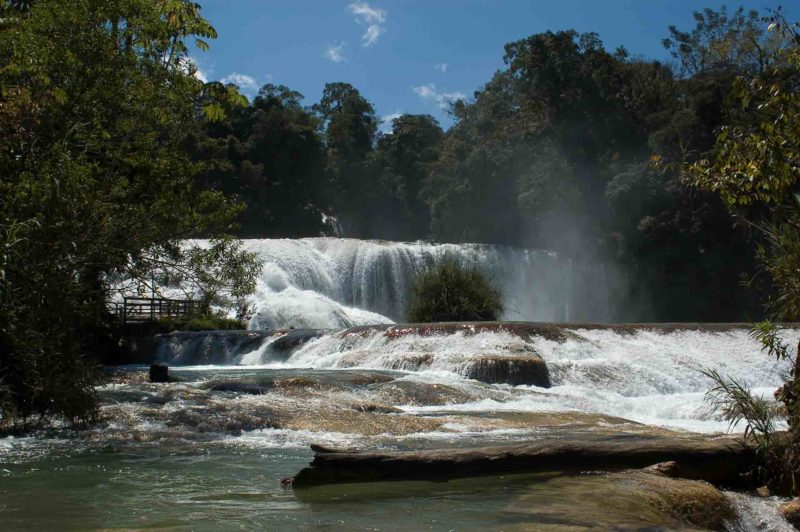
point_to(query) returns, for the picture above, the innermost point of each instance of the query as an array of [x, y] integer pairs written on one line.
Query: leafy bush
[[206, 323], [451, 291]]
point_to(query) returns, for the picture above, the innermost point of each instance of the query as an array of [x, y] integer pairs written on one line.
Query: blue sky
[[411, 56]]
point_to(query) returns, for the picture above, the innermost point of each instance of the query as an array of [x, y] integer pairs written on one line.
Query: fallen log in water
[[719, 461]]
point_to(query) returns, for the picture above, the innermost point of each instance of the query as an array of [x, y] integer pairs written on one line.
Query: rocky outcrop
[[527, 369], [628, 500], [559, 332], [719, 460]]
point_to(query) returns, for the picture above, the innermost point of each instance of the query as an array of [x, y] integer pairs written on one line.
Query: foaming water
[[336, 282], [642, 375], [757, 514]]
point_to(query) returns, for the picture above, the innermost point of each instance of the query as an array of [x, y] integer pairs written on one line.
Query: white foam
[[644, 376], [339, 282]]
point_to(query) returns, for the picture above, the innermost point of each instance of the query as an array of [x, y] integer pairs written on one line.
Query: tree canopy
[[97, 193]]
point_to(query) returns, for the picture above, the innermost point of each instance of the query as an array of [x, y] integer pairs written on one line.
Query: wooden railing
[[143, 309]]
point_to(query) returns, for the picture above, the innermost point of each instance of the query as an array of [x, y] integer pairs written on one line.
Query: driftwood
[[719, 461]]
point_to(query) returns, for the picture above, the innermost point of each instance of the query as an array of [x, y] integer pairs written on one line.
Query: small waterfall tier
[[337, 282]]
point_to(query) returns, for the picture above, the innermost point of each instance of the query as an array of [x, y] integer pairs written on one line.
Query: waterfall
[[337, 282]]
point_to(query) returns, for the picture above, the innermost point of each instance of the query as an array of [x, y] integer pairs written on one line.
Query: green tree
[[271, 155], [349, 124], [722, 43], [97, 194], [756, 170], [404, 158]]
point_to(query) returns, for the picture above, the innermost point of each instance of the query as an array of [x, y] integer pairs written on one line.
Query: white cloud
[[370, 37], [448, 97], [425, 91], [366, 13], [268, 78], [442, 67], [386, 121], [243, 81], [334, 52], [374, 17], [442, 99], [202, 76], [192, 65]]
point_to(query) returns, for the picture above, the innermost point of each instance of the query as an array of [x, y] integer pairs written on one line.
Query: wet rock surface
[[720, 460], [791, 512], [527, 369], [631, 500], [183, 348], [159, 373]]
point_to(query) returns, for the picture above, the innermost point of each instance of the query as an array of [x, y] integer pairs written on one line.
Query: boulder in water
[[159, 373], [528, 369], [285, 345]]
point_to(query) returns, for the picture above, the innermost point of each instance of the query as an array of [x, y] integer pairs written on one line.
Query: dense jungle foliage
[[754, 168], [96, 193], [570, 147]]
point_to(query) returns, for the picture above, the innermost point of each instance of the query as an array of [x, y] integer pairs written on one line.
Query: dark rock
[[527, 369], [375, 408], [184, 348], [289, 341], [159, 373], [719, 460], [242, 388]]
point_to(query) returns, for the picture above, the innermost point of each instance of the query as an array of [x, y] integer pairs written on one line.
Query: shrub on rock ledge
[[452, 291]]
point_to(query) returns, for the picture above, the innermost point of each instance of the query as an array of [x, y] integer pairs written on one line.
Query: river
[[209, 452]]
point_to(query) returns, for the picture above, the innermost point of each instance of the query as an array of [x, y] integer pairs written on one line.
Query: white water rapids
[[647, 376]]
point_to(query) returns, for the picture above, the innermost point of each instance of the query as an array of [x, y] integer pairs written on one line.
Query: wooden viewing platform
[[144, 309]]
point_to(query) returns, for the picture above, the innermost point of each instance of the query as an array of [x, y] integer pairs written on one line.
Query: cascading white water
[[336, 282], [644, 375]]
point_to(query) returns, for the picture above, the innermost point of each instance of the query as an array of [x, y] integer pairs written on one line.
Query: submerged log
[[719, 461]]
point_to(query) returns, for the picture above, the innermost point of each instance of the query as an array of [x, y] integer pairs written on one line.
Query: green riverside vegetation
[[451, 291], [755, 169], [96, 194]]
